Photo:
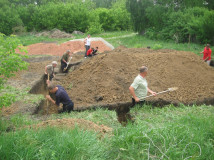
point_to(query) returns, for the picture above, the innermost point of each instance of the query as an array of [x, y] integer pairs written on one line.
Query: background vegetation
[[181, 21]]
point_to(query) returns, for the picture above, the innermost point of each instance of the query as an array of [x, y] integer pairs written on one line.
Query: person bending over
[[61, 97]]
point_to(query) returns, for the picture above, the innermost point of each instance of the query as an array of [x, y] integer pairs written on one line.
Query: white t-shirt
[[50, 69], [140, 86], [88, 42]]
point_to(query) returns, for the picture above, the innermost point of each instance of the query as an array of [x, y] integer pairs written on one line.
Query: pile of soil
[[72, 123], [109, 76], [55, 33]]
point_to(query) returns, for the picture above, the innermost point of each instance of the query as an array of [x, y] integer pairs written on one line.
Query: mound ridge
[[109, 76]]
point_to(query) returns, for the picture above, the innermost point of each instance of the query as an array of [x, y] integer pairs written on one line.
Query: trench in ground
[[122, 109]]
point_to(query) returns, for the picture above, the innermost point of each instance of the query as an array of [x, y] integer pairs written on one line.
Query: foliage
[[10, 62], [137, 8], [9, 19]]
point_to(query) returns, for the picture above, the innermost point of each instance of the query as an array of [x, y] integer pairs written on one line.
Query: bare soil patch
[[59, 50]]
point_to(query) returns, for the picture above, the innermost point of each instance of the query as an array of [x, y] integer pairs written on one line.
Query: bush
[[9, 19], [10, 63]]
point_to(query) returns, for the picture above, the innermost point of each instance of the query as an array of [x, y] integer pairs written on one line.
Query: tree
[[137, 8], [10, 60]]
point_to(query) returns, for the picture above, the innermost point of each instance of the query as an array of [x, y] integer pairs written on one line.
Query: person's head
[[92, 49], [143, 71], [89, 35], [96, 48], [207, 46], [68, 51], [54, 64], [52, 88]]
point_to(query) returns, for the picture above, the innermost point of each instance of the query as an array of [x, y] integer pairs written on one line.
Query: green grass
[[138, 41], [158, 133]]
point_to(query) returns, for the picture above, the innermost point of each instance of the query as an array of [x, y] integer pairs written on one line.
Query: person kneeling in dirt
[[139, 88], [94, 52], [49, 71], [89, 52], [61, 97], [64, 61], [207, 54]]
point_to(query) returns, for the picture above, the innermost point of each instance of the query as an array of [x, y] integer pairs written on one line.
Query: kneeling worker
[[61, 97], [139, 88]]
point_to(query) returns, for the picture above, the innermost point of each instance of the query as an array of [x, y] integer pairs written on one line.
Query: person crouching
[[61, 97]]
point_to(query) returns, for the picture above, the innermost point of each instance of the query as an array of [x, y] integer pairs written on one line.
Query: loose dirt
[[109, 76], [105, 78], [72, 123]]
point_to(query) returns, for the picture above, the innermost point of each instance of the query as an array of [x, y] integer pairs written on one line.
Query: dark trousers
[[63, 65], [86, 49], [140, 103], [68, 108]]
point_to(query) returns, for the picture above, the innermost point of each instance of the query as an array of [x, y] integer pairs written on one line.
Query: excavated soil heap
[[109, 76], [72, 123]]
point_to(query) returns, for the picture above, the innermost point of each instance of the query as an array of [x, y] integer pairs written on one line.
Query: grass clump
[[51, 143]]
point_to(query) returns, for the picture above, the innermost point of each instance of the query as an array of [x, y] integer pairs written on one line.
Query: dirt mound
[[55, 33], [72, 123], [109, 76]]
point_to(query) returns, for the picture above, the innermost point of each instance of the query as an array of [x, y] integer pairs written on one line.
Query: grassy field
[[182, 132]]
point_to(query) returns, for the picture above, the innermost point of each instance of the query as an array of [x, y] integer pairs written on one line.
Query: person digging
[[61, 97], [65, 61], [49, 71], [139, 88]]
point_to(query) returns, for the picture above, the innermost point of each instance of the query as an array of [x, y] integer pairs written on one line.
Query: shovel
[[67, 64], [168, 90]]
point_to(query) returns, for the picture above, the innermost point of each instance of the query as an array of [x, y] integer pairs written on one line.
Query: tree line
[[178, 20]]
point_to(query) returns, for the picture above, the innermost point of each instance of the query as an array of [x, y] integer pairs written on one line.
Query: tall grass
[[184, 132], [51, 143], [167, 133]]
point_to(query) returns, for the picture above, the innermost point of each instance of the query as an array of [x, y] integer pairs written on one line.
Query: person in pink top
[[207, 54]]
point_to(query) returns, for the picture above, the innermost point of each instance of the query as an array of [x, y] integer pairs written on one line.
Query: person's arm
[[48, 97], [206, 59], [152, 92], [131, 90]]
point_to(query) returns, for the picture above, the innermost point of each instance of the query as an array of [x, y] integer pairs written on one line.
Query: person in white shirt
[[49, 71], [87, 42], [139, 88]]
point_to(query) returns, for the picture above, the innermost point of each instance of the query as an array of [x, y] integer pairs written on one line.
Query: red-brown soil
[[59, 50]]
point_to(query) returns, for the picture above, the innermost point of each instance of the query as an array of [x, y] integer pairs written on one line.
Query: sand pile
[[109, 76]]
